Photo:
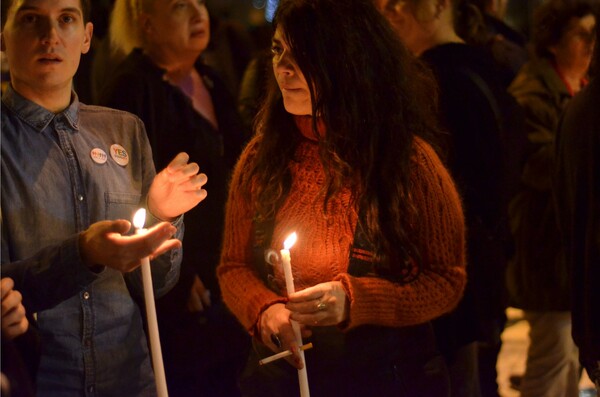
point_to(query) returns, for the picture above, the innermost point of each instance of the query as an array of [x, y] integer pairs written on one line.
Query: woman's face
[[291, 81], [576, 46], [179, 27]]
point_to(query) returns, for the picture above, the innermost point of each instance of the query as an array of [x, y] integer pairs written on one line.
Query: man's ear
[[87, 39]]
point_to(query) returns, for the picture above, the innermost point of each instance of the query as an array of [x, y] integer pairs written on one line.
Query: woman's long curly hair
[[372, 96]]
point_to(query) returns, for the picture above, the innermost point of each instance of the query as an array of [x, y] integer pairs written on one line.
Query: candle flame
[[290, 241], [139, 218]]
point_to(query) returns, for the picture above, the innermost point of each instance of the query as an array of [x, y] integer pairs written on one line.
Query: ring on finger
[[321, 306]]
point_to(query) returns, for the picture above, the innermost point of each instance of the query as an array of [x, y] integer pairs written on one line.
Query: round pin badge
[[119, 154], [98, 155]]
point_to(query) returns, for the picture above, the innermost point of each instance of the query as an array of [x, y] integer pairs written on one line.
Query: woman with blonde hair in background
[[184, 106]]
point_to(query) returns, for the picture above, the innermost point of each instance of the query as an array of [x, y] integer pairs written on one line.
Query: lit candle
[[157, 361], [289, 283]]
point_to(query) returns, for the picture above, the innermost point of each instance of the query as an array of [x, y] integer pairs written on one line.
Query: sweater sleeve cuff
[[255, 329], [347, 285]]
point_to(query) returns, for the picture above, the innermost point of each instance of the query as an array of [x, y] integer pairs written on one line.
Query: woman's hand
[[319, 305], [277, 333]]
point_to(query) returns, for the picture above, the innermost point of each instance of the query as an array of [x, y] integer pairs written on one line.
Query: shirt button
[[80, 197], [90, 389], [86, 295]]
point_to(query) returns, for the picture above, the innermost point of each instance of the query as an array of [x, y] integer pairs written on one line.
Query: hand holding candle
[[320, 305], [157, 362], [289, 283], [105, 243]]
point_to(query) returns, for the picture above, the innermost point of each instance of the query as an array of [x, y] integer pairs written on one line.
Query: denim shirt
[[55, 184]]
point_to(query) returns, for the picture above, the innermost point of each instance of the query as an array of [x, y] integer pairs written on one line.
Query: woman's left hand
[[319, 305]]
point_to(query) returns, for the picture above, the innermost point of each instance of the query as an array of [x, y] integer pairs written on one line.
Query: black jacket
[[577, 193]]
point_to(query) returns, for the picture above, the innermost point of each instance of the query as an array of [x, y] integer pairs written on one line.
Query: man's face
[[43, 41], [576, 46]]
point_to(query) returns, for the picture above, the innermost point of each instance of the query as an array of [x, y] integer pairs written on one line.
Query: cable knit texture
[[321, 253]]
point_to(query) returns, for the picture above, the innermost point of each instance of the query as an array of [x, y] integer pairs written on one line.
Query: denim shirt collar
[[35, 115]]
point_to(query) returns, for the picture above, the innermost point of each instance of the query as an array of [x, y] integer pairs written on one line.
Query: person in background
[[576, 191], [538, 275], [83, 81], [72, 177], [230, 49], [518, 14], [253, 87], [483, 124], [185, 106], [341, 157], [478, 23]]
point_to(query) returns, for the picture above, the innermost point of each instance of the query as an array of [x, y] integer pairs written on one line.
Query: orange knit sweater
[[321, 253]]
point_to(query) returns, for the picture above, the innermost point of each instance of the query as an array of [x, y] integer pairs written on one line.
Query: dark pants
[[367, 361]]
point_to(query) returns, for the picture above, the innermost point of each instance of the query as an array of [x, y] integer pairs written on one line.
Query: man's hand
[[103, 243], [176, 189], [14, 322]]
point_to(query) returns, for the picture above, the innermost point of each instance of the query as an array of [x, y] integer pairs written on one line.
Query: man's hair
[[551, 19], [7, 4]]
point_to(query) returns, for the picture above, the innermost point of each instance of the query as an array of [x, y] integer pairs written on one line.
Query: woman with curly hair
[[341, 156]]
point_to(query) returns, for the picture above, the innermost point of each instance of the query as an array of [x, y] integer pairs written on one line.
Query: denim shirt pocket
[[121, 205]]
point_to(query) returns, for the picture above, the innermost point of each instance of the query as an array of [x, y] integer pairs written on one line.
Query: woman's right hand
[[277, 333]]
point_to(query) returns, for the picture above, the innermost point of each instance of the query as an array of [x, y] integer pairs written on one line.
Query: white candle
[[157, 361], [289, 283]]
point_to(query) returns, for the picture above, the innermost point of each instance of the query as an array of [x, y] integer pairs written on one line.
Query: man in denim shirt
[[71, 177]]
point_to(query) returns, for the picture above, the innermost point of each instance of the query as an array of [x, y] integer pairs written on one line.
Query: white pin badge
[[98, 155], [119, 154]]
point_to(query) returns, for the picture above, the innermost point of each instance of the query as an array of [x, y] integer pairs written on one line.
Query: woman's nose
[[199, 10], [284, 63]]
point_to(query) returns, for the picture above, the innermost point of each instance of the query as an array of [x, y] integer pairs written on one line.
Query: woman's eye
[[276, 50]]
